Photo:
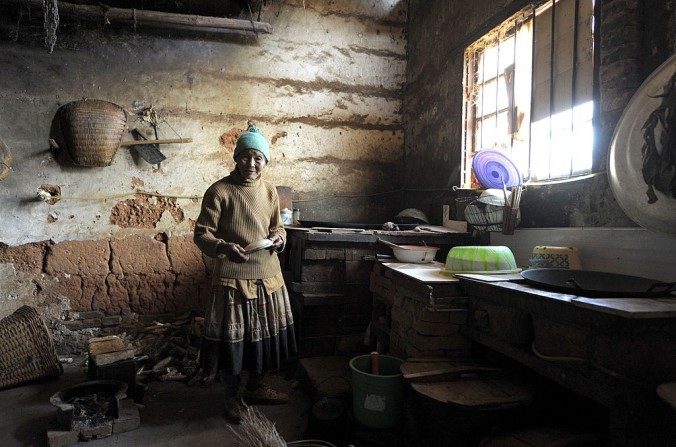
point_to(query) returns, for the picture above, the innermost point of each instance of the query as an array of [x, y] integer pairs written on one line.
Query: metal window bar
[[532, 98], [512, 124], [573, 81], [483, 83], [551, 84], [497, 81]]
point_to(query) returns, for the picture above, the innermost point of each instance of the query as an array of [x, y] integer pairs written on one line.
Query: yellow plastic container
[[546, 256], [480, 259]]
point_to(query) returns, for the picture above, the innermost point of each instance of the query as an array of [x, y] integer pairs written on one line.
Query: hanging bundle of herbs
[[659, 168]]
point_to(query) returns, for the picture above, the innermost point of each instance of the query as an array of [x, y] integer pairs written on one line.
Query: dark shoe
[[234, 408], [265, 395]]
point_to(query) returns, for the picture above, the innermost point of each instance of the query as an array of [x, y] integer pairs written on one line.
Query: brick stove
[[92, 410], [328, 274]]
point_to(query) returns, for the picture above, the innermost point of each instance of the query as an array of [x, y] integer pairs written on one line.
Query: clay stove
[[92, 410]]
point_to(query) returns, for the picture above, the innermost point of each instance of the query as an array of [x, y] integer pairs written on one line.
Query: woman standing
[[248, 321]]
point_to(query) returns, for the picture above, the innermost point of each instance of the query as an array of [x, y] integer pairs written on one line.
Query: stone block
[[99, 431], [184, 256], [84, 258], [319, 254], [25, 258], [326, 272], [59, 438], [337, 254], [357, 254], [313, 254], [139, 254]]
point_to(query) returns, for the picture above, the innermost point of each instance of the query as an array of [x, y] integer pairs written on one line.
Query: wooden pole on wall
[[141, 17]]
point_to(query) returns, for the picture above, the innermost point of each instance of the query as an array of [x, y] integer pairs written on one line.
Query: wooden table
[[614, 351]]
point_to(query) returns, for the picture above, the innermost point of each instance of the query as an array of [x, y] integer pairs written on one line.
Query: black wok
[[597, 284]]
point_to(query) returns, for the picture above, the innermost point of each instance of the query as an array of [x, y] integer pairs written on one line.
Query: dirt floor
[[173, 414]]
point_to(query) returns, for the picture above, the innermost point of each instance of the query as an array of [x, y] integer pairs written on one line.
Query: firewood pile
[[161, 350], [169, 351]]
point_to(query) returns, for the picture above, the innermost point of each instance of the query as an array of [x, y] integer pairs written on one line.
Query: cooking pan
[[597, 284]]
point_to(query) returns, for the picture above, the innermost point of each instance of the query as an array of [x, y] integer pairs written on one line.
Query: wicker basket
[[27, 350], [92, 130]]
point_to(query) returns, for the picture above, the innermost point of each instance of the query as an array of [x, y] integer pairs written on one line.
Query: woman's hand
[[277, 241], [234, 252]]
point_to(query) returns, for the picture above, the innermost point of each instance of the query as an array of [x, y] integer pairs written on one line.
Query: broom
[[255, 430]]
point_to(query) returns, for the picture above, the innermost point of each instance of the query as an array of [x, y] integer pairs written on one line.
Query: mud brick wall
[[106, 279], [409, 326]]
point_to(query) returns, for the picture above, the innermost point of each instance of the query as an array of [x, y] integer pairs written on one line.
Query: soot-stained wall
[[634, 38], [325, 87]]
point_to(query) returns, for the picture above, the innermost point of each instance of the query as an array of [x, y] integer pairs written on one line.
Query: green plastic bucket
[[377, 400]]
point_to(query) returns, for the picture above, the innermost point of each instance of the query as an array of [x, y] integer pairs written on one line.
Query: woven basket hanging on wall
[[92, 130], [27, 350]]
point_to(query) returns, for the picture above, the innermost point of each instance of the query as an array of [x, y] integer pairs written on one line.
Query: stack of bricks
[[411, 320], [329, 289]]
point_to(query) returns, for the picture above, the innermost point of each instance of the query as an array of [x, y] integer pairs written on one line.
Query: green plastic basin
[[480, 259]]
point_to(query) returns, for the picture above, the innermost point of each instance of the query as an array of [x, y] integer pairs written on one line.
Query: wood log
[[112, 357], [141, 17]]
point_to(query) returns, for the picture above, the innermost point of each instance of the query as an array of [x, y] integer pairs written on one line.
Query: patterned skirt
[[240, 333]]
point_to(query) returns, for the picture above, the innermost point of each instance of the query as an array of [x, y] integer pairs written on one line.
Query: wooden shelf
[[580, 378]]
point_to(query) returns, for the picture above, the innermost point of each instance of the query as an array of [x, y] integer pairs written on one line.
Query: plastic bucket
[[377, 399]]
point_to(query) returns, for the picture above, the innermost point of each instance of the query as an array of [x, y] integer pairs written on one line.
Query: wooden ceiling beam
[[156, 19]]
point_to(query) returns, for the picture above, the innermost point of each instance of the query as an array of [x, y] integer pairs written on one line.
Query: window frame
[[507, 27]]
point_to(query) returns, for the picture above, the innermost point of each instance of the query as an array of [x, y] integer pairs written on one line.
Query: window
[[528, 91]]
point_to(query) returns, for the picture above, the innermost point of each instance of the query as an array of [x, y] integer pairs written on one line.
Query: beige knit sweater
[[241, 211]]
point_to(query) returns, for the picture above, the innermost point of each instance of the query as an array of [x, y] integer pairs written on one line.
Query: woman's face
[[250, 163]]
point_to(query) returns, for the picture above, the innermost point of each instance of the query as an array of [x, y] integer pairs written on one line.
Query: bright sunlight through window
[[528, 91]]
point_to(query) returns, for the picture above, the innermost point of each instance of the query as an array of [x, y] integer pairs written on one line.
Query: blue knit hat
[[252, 139]]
